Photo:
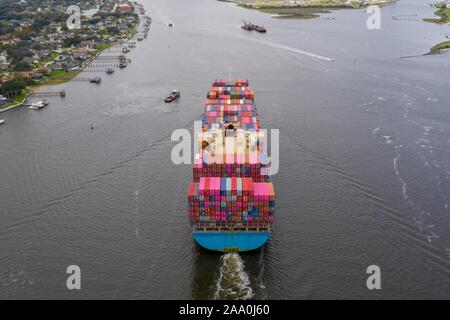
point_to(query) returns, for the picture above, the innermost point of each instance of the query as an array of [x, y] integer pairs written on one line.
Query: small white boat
[[2, 122], [39, 105]]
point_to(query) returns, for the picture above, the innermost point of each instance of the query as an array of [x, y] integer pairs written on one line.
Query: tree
[[14, 86], [37, 46], [72, 41], [23, 66]]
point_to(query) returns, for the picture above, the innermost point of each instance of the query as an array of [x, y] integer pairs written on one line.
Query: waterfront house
[[79, 55], [36, 76], [29, 60], [13, 22], [57, 66], [43, 53], [44, 70], [60, 58], [4, 63], [70, 63], [6, 77], [3, 100], [13, 41]]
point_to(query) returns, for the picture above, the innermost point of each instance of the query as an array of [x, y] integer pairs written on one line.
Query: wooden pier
[[61, 93], [107, 64], [102, 65], [110, 58], [90, 79], [95, 70]]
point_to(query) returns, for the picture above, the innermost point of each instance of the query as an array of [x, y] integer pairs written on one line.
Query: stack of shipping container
[[230, 188]]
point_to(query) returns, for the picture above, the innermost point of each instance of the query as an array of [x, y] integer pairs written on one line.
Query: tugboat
[[174, 95], [39, 105], [109, 70]]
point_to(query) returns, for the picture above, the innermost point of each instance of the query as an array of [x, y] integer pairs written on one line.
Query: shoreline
[[442, 47], [56, 80], [443, 14], [19, 104]]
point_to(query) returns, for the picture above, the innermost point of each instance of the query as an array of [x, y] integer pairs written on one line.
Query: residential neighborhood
[[38, 46]]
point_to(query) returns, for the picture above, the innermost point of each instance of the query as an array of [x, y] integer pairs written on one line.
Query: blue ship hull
[[231, 241]]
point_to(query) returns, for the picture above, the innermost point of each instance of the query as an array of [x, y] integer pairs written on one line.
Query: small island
[[304, 9], [443, 13]]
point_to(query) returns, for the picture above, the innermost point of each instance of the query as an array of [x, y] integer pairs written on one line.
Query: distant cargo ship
[[251, 27], [231, 201]]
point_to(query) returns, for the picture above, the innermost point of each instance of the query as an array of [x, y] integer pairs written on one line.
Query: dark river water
[[364, 163]]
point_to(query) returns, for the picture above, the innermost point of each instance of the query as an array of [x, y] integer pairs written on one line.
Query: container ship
[[231, 197]]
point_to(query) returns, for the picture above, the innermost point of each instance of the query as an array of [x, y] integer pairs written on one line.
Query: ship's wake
[[287, 48], [233, 282]]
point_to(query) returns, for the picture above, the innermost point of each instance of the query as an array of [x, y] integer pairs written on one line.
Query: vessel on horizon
[[250, 27]]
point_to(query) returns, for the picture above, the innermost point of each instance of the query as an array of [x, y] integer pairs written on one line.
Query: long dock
[[95, 70], [61, 93], [111, 58], [104, 65], [92, 79]]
